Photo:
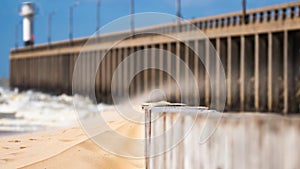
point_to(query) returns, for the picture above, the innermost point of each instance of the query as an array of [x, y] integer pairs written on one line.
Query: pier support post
[[270, 69], [242, 74], [256, 72], [229, 72], [285, 72]]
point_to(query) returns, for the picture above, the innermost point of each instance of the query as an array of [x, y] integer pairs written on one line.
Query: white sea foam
[[32, 111]]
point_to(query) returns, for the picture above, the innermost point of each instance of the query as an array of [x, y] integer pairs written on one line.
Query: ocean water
[[34, 111]]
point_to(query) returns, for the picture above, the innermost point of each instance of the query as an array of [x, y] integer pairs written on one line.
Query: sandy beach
[[52, 134], [67, 148]]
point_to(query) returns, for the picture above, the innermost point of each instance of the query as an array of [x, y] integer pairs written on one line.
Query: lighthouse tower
[[27, 11]]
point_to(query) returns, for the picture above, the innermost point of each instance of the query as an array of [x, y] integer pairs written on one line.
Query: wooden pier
[[260, 57]]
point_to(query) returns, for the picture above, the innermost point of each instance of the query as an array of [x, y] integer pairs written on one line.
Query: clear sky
[[85, 17]]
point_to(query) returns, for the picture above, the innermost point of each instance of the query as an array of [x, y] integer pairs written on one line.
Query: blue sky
[[85, 16]]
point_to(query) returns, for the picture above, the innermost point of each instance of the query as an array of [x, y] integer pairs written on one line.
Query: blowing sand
[[68, 148]]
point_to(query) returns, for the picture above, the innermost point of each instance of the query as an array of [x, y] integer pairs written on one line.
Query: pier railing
[[253, 16]]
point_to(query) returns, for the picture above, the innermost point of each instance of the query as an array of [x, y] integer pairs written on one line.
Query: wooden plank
[[186, 72], [242, 74], [119, 81], [161, 65], [196, 71], [285, 73], [218, 60], [98, 75], [229, 71], [93, 73], [138, 75], [103, 72], [207, 79], [12, 77], [146, 82], [113, 67], [256, 72], [131, 69], [84, 73], [202, 71], [109, 72], [177, 68], [270, 49], [153, 72]]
